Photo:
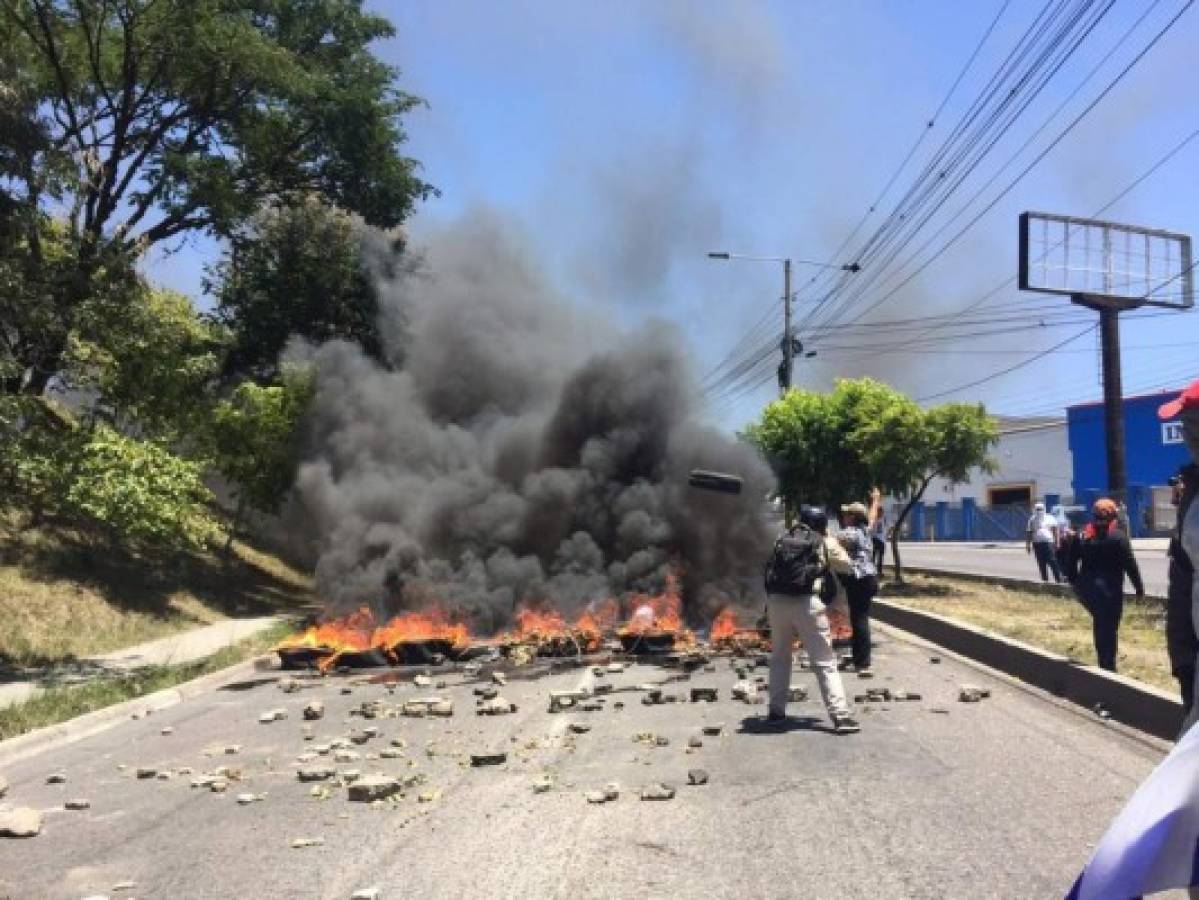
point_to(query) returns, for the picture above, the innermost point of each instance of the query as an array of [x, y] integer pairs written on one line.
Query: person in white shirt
[[1042, 537]]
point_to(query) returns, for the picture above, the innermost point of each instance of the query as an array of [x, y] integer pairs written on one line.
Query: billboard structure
[[1108, 267]]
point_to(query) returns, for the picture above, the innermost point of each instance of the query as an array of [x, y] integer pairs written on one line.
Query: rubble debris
[[488, 759], [366, 893], [499, 678], [597, 671], [349, 776], [697, 776], [124, 886], [299, 843], [3, 785], [1101, 711], [273, 715], [372, 787], [935, 660], [77, 804], [487, 693], [611, 790], [428, 796], [579, 727], [746, 692], [218, 786], [315, 773], [560, 700], [865, 673], [615, 667], [595, 797], [20, 822], [543, 783], [165, 775], [603, 689], [345, 756], [652, 698], [714, 730], [497, 706], [56, 778], [422, 681], [592, 706], [695, 742], [232, 749], [314, 710], [289, 685], [428, 706], [146, 772], [971, 693], [797, 695], [246, 799], [939, 709], [346, 689], [167, 730], [703, 695], [657, 791], [391, 753], [619, 704]]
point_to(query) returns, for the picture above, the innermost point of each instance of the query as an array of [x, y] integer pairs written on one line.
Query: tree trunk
[[912, 501], [227, 552]]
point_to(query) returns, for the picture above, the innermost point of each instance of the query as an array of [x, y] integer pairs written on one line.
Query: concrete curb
[[1019, 584], [25, 745], [1138, 705]]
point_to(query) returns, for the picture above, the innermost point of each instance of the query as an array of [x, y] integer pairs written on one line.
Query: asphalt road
[[1010, 560], [1003, 798]]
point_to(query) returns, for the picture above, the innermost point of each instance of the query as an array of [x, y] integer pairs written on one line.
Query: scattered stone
[[367, 893], [595, 797], [219, 786], [348, 776], [77, 804], [939, 709], [694, 742], [441, 685], [697, 776], [499, 678], [745, 691], [579, 727], [315, 773], [299, 843], [373, 787], [703, 694], [935, 660], [592, 706], [902, 696], [497, 706], [124, 886], [652, 698], [715, 730], [488, 759], [167, 730], [487, 693], [543, 783], [597, 671], [345, 756], [20, 822], [866, 673], [1101, 711], [428, 796], [611, 791], [232, 749], [970, 693], [165, 775], [797, 695], [146, 772], [560, 700], [422, 681], [614, 668], [442, 708], [618, 705], [3, 785], [662, 741], [657, 792], [399, 742], [347, 690], [289, 685], [391, 753], [56, 778], [273, 715], [359, 737], [246, 799], [314, 710]]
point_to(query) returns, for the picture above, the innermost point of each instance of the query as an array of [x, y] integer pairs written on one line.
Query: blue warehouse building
[[1154, 451]]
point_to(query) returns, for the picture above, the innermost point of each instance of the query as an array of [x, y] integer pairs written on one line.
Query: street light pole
[[785, 381]]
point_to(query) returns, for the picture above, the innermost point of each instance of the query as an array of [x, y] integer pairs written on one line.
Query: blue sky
[[624, 140]]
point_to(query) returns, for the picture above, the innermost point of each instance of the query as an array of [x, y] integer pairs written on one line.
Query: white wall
[[1029, 452]]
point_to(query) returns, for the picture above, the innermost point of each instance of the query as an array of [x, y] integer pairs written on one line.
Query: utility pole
[[1113, 403], [785, 381]]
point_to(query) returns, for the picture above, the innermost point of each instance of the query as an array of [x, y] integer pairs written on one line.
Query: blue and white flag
[[1153, 845]]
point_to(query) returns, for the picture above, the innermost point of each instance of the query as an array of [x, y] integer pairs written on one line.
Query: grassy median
[[63, 597], [1058, 624], [58, 704]]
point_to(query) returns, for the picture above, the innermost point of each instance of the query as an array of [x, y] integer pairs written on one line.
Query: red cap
[[1188, 399]]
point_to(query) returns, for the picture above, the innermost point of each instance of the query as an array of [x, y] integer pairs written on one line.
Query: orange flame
[[352, 632], [724, 626], [660, 612], [420, 626], [358, 632]]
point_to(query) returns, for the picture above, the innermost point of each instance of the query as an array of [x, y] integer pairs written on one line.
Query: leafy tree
[[828, 448], [297, 270], [254, 440], [153, 364], [145, 120]]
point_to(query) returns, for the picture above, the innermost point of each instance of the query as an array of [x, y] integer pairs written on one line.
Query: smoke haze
[[518, 453]]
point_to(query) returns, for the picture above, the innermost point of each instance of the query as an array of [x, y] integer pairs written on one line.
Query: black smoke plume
[[516, 453]]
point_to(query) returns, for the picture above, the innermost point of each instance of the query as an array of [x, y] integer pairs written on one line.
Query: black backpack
[[796, 563]]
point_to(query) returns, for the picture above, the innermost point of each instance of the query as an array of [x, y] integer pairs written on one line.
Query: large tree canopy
[[138, 121], [832, 448]]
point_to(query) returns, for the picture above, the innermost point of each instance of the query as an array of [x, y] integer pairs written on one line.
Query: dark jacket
[[1182, 644], [1103, 554]]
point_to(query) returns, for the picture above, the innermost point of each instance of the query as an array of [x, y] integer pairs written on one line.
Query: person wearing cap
[[1042, 536], [1182, 592], [861, 582], [1097, 564]]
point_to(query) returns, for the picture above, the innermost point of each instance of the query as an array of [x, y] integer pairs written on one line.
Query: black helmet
[[814, 517]]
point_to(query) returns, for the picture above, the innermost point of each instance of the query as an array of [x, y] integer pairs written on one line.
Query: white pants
[[802, 617]]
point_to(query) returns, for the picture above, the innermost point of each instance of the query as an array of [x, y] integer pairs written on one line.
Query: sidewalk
[[187, 647]]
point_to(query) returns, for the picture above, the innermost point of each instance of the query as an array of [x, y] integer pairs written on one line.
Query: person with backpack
[[861, 582], [795, 578], [1097, 564]]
